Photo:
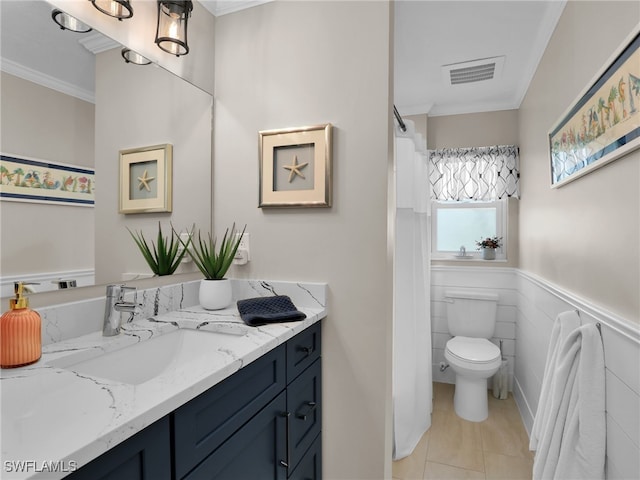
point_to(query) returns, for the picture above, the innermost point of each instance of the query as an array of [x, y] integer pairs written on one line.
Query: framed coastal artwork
[[295, 167], [145, 179], [603, 123], [24, 179]]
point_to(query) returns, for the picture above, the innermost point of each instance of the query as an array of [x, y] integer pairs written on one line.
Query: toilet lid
[[477, 350]]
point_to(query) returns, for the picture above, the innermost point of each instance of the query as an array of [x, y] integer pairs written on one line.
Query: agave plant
[[214, 260], [165, 255]]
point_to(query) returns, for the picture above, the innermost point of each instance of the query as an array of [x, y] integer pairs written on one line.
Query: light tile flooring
[[453, 448]]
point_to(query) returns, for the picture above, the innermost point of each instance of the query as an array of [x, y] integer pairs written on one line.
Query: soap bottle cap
[[20, 301]]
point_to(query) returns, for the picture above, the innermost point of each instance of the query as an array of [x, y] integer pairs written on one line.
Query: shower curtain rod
[[403, 127]]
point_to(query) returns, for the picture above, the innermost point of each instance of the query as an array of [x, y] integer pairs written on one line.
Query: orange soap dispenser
[[20, 333]]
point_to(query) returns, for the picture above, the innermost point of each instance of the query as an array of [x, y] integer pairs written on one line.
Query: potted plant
[[164, 256], [213, 261], [488, 246]]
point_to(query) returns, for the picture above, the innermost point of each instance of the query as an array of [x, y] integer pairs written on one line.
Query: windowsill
[[453, 258]]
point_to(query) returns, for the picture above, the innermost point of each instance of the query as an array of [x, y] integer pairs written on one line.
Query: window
[[470, 187], [460, 224]]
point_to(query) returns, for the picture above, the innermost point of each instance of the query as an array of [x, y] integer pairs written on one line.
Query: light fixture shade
[[134, 57], [171, 34], [67, 22], [114, 8]]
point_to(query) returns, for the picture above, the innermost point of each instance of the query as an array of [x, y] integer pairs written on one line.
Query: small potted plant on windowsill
[[164, 256], [488, 246], [215, 290]]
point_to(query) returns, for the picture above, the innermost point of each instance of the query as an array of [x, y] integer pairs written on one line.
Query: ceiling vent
[[485, 69]]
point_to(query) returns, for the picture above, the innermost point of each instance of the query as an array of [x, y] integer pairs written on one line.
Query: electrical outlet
[[244, 244], [184, 236]]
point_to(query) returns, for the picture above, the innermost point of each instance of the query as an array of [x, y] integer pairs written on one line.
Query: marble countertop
[[56, 419]]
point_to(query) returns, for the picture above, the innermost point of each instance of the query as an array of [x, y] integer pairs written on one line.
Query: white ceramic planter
[[215, 294], [489, 253]]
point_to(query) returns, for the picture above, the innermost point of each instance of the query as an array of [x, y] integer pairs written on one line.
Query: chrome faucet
[[115, 306]]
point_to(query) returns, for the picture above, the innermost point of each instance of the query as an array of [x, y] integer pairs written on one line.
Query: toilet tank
[[471, 313]]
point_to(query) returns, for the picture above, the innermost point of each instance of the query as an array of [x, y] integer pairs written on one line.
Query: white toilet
[[471, 317]]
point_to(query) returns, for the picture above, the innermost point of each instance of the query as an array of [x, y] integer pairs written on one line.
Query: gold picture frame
[[295, 167], [145, 179]]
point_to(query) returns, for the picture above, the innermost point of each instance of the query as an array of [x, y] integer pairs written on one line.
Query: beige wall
[[139, 107], [584, 236], [480, 130], [44, 124], [420, 123], [473, 129], [288, 64]]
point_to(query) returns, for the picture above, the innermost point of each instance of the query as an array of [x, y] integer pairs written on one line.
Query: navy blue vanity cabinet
[[302, 351], [304, 404], [310, 467], [204, 423], [145, 456], [256, 451]]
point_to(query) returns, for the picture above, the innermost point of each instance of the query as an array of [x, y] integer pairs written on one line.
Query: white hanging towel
[[571, 440], [565, 323]]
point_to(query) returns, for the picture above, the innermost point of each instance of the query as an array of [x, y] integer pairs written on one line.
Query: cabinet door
[[255, 452], [303, 350], [146, 455], [204, 423], [304, 403], [310, 467]]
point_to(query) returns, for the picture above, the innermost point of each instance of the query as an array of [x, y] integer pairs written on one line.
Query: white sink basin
[[139, 363]]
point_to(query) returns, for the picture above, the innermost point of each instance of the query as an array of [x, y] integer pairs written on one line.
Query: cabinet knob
[[306, 410], [306, 350], [284, 464]]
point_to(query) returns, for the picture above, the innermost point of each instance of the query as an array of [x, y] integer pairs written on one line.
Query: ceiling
[[428, 35], [431, 34]]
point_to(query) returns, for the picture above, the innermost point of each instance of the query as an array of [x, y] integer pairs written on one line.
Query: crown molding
[[26, 73], [97, 43]]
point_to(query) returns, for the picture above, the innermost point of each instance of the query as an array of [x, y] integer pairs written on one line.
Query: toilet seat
[[477, 351]]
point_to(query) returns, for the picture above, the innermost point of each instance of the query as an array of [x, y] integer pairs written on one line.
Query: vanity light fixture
[[114, 8], [171, 34], [134, 57], [67, 22]]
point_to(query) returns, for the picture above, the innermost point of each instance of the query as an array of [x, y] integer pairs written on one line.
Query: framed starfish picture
[[295, 167], [145, 179]]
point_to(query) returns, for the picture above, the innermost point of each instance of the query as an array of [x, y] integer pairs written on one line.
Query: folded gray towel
[[263, 310]]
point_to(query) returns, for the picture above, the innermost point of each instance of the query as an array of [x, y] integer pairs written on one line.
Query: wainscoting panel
[[538, 305]]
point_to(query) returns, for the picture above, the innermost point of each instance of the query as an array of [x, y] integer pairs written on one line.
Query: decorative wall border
[[25, 179]]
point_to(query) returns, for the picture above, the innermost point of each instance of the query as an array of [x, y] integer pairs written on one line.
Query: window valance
[[475, 173]]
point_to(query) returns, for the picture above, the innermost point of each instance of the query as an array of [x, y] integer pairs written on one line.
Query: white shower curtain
[[412, 388]]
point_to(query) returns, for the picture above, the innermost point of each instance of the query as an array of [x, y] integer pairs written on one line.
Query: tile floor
[[453, 448]]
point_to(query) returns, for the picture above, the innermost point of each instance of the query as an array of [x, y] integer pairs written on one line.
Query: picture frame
[[31, 180], [295, 167], [146, 179], [603, 123]]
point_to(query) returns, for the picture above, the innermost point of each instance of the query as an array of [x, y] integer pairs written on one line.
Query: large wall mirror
[[70, 98]]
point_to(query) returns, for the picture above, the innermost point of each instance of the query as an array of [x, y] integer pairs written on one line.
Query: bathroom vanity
[[269, 410], [203, 396]]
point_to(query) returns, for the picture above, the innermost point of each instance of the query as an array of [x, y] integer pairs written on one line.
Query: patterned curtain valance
[[476, 173]]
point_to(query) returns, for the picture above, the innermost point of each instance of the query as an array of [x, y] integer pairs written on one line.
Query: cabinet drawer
[[204, 423], [145, 456], [302, 351], [253, 452], [310, 467], [304, 402]]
